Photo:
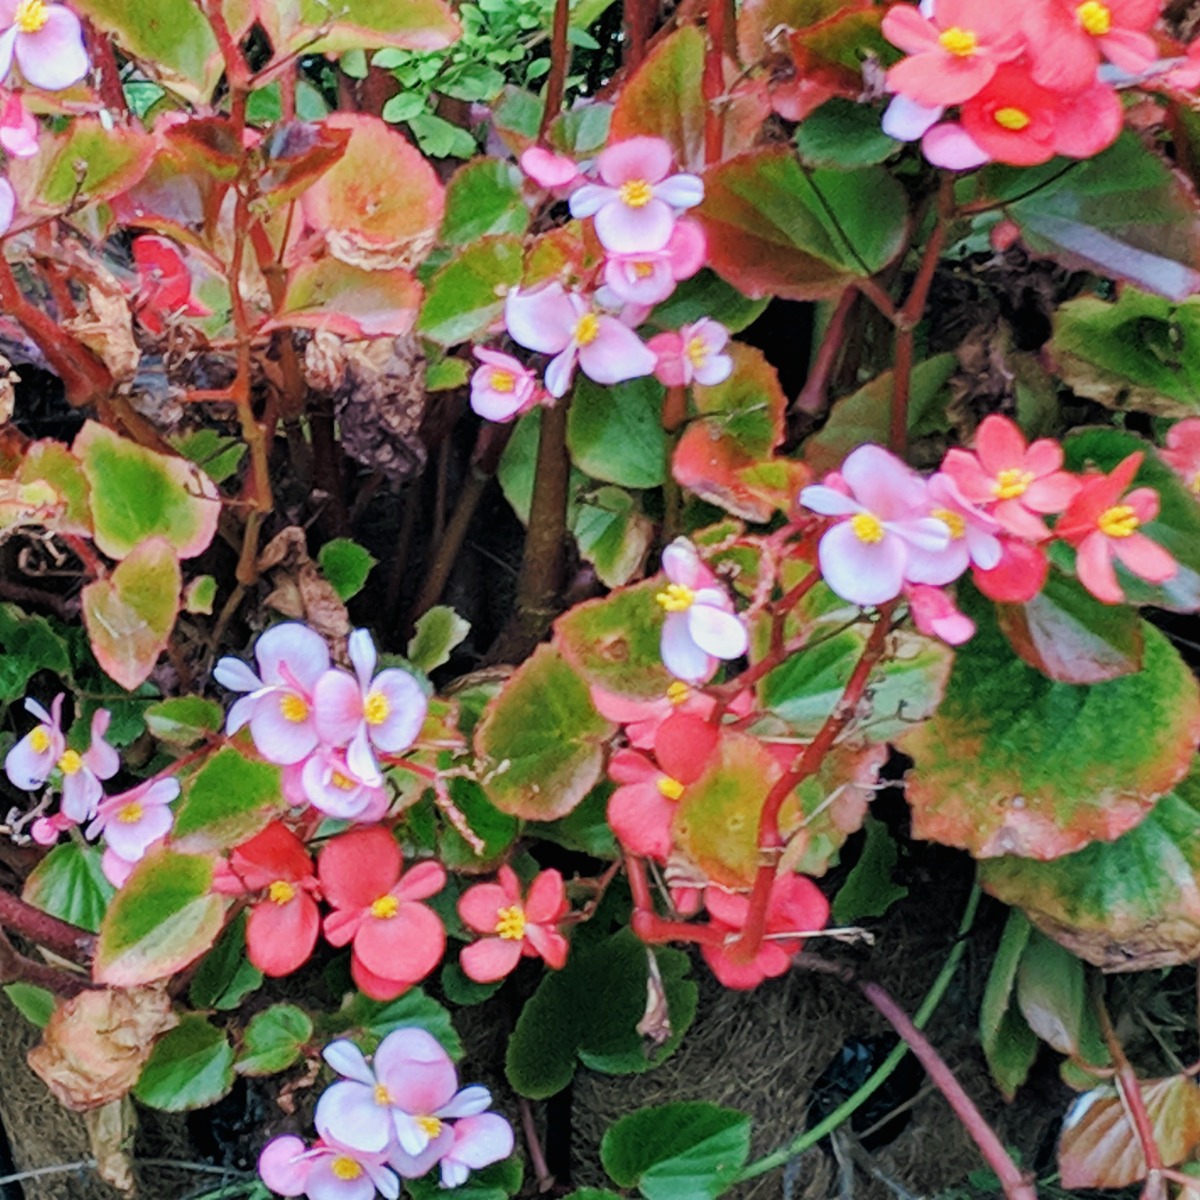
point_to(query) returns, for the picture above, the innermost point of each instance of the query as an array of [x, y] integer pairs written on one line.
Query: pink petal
[[547, 899], [417, 1071], [1000, 445], [421, 881], [687, 248], [7, 41], [233, 674], [1094, 566], [950, 146], [281, 937], [829, 501], [323, 1184], [406, 946], [347, 1060], [549, 943], [718, 633], [468, 1102], [482, 1140], [924, 533], [54, 57], [634, 287], [626, 230], [1089, 123], [1131, 51], [1146, 558], [480, 905], [863, 573], [616, 354], [490, 959], [938, 78], [681, 191], [561, 370], [907, 29], [291, 654], [337, 707], [680, 654], [882, 483], [363, 657], [1051, 493], [588, 200], [358, 867], [278, 738], [81, 793], [413, 1166], [641, 819], [684, 566], [1044, 457], [407, 706], [543, 320], [130, 840], [548, 169], [348, 1113], [628, 766], [377, 986], [1144, 502], [1019, 521], [283, 1167], [647, 158], [27, 768], [715, 369], [8, 205]]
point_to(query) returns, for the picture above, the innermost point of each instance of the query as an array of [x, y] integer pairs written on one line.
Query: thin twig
[[537, 1156]]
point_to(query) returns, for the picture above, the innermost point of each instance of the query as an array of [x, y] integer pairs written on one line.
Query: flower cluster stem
[[66, 940]]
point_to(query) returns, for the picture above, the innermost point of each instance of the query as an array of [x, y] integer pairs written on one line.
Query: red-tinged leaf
[[1071, 636], [1014, 763], [541, 769], [664, 99], [314, 27], [842, 42], [776, 228], [164, 918], [329, 294], [297, 153], [740, 424], [759, 21], [228, 800], [50, 462], [613, 534], [380, 205], [129, 615], [1099, 1146], [614, 642], [138, 493], [1128, 905], [84, 163]]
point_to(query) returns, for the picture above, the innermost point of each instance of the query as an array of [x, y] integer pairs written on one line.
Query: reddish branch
[[560, 60], [1128, 1084], [814, 396], [59, 937], [16, 968], [714, 80]]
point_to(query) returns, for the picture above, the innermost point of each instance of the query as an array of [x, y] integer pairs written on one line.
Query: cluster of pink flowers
[[895, 532], [395, 1117], [323, 725], [635, 202], [1026, 80]]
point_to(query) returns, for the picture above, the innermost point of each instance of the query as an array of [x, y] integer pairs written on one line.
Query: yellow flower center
[[131, 814], [342, 782], [510, 923], [294, 708], [675, 598], [280, 892], [960, 42], [952, 520], [1118, 521], [344, 1167], [697, 352], [587, 329], [39, 739], [1194, 486], [678, 692], [1011, 483], [503, 381], [31, 16], [385, 907], [70, 763], [671, 788], [867, 528], [382, 1096], [430, 1125], [643, 270], [1095, 18], [636, 193], [1014, 119], [376, 708]]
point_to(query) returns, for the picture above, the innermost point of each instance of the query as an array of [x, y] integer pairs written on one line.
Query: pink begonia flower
[[865, 557], [701, 627], [642, 718], [555, 172], [32, 760], [642, 808], [935, 614], [649, 277], [478, 1142], [1020, 483], [279, 707], [692, 354], [407, 1093], [366, 712], [949, 145], [395, 938], [972, 537], [1067, 38], [47, 40], [953, 54], [795, 906], [1182, 452], [518, 927], [329, 1171], [1102, 523], [502, 387], [634, 207], [554, 321], [133, 820], [1185, 72], [1020, 574], [19, 128], [331, 787]]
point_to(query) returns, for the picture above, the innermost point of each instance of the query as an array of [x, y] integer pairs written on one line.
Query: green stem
[[849, 1107]]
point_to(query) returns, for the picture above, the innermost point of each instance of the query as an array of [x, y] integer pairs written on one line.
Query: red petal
[[280, 937], [357, 868], [406, 946], [683, 745]]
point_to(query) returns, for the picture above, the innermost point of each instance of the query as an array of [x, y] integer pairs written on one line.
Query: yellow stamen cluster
[[510, 923], [281, 892], [376, 708], [678, 692], [430, 1125], [503, 382], [867, 527], [31, 16], [345, 1168], [382, 1096], [1011, 483], [952, 520], [960, 42], [1094, 18], [1118, 521], [675, 598], [587, 329], [385, 907], [697, 352], [131, 813], [293, 708], [39, 739], [1012, 119], [342, 782], [671, 788], [636, 193]]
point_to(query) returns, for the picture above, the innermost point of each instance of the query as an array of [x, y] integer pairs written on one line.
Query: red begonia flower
[[517, 926]]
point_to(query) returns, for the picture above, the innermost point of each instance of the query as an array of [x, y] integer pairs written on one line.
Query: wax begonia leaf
[[349, 300], [226, 802], [191, 1066], [274, 1040], [466, 295]]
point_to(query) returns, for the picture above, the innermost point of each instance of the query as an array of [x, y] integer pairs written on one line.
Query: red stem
[[108, 74], [59, 937], [714, 82], [16, 968], [1127, 1084], [814, 397], [560, 61], [637, 17]]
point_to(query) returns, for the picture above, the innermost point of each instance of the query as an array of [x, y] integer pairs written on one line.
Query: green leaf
[[200, 595], [1016, 763], [163, 918], [184, 720], [1009, 1045], [346, 565], [707, 295], [358, 25], [584, 828], [1052, 993], [541, 769], [497, 1182], [496, 830], [35, 1004], [227, 801], [274, 1040], [484, 197], [467, 294], [191, 1066], [613, 534], [440, 138], [436, 635], [225, 976], [615, 433], [138, 494], [378, 1018], [869, 890], [844, 133], [70, 884], [461, 990], [683, 1151], [29, 644], [218, 457]]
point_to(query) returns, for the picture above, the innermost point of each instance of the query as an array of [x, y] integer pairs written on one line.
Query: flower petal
[[479, 906], [53, 58], [406, 946], [716, 632], [626, 230], [358, 867], [348, 1113], [490, 959], [680, 654], [616, 354], [863, 573]]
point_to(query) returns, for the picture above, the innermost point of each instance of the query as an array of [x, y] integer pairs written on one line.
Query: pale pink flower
[[133, 820], [407, 1093], [701, 627], [950, 146], [47, 40], [478, 1142], [8, 205], [973, 537], [365, 710], [331, 787], [279, 706], [865, 557], [692, 354], [554, 321], [649, 277], [634, 207], [555, 172], [935, 614], [1182, 452], [502, 387], [18, 128], [32, 760], [329, 1171]]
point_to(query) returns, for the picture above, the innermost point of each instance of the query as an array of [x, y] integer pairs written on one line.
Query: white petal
[[363, 656], [717, 632], [906, 120], [680, 654], [681, 191], [829, 501], [347, 1059], [589, 199], [235, 675]]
